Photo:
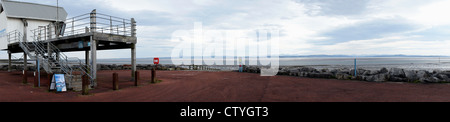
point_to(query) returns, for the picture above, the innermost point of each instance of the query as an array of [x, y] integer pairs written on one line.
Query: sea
[[369, 63]]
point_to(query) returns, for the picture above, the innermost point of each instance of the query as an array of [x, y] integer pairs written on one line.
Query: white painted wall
[[3, 31], [17, 24], [34, 24]]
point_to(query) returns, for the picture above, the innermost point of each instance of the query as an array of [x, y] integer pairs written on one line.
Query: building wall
[[3, 31], [17, 24], [34, 24]]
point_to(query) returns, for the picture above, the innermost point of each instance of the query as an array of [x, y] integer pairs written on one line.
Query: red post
[[153, 74], [36, 79], [85, 85], [136, 78], [24, 77], [156, 62], [115, 81]]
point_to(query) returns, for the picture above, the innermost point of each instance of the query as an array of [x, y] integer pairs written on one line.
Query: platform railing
[[89, 22], [86, 23], [14, 36]]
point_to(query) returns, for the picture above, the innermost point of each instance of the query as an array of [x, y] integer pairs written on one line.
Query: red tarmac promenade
[[204, 86]]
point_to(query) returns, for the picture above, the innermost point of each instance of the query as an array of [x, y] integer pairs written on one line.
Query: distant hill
[[325, 56], [399, 55]]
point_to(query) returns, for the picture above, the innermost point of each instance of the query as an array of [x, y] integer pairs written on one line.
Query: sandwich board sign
[[58, 83]]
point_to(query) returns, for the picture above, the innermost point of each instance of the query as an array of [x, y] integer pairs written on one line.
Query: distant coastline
[[325, 56]]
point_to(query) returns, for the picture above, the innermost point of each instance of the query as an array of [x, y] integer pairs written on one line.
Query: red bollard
[[153, 75], [36, 79], [85, 85], [136, 78], [115, 81], [24, 77]]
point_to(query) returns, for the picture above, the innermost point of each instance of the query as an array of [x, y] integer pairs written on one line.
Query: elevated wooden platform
[[81, 42], [88, 32]]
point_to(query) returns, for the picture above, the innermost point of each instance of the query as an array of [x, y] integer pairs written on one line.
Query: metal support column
[[133, 49], [93, 29], [94, 61]]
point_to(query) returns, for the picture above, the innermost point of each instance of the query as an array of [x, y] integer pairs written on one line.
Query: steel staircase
[[45, 53]]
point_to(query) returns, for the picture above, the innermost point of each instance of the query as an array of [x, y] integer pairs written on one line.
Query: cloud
[[335, 7], [389, 45], [307, 27], [370, 29]]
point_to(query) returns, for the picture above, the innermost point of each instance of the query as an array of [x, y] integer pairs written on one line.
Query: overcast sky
[[308, 27]]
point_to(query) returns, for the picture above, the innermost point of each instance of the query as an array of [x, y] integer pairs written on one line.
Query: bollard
[[153, 75], [115, 81], [36, 79], [136, 78], [85, 85], [24, 77]]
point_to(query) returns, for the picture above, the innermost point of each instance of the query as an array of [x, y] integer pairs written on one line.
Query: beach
[[220, 86]]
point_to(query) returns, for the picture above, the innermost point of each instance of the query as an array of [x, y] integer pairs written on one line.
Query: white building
[[24, 17]]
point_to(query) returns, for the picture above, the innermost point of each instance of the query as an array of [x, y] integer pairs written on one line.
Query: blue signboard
[[60, 83], [80, 44]]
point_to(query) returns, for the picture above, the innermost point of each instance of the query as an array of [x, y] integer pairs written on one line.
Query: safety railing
[[90, 22], [14, 36], [67, 62], [43, 52]]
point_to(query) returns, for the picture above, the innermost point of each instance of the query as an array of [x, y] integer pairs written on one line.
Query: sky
[[307, 27]]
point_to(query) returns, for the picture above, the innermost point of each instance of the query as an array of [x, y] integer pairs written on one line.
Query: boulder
[[429, 80], [411, 75], [366, 77], [325, 70], [380, 77], [344, 70], [252, 69], [342, 76], [320, 75], [398, 79], [367, 73], [443, 77], [303, 74], [396, 72], [384, 70], [359, 71], [307, 69], [4, 67], [114, 67], [334, 71], [326, 75], [352, 72], [422, 74], [280, 72], [293, 72], [436, 71]]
